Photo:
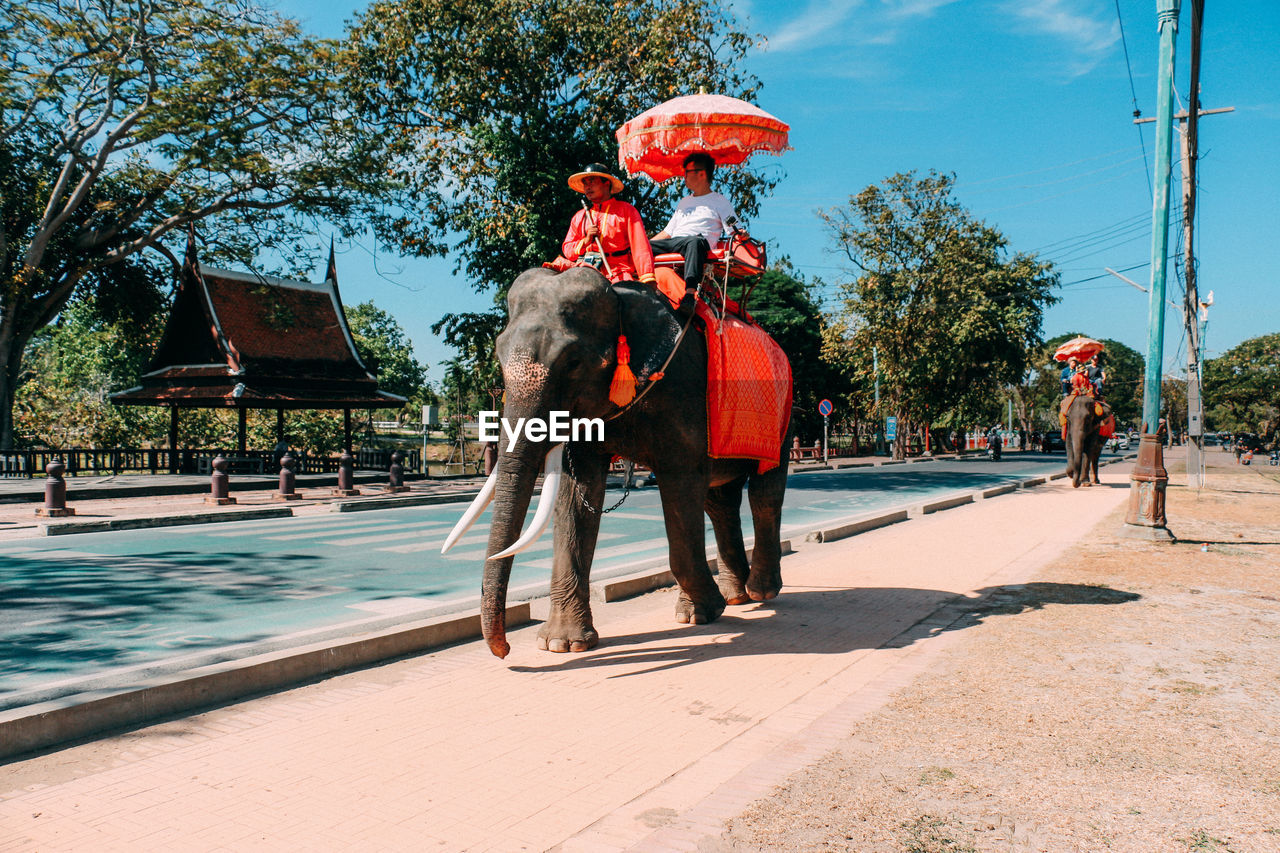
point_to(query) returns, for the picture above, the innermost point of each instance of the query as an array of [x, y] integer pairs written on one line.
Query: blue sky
[[1028, 102]]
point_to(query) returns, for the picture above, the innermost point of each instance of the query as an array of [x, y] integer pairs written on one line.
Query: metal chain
[[626, 488]]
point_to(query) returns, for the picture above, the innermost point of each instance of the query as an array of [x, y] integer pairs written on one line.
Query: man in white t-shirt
[[700, 220]]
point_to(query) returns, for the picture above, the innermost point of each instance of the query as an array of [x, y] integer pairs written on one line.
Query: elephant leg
[[765, 493], [684, 494], [724, 507], [577, 524]]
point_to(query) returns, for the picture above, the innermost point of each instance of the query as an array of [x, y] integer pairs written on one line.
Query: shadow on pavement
[[75, 616], [809, 622]]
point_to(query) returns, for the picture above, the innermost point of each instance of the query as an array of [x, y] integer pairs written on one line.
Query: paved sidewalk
[[649, 741]]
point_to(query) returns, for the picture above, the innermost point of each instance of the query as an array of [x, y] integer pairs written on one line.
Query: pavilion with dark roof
[[249, 341]]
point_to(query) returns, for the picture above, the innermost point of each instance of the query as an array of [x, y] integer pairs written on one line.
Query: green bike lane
[[98, 611]]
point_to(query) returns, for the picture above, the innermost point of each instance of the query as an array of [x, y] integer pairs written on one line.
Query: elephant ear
[[650, 327]]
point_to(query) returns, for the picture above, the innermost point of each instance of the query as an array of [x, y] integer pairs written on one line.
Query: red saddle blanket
[[748, 391]]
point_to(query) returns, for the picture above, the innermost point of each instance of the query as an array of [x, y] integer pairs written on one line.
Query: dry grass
[[1146, 720]]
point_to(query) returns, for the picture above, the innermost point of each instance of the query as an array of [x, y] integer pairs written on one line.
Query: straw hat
[[598, 170]]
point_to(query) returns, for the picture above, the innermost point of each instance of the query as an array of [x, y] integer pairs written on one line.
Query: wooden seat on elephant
[[747, 260]]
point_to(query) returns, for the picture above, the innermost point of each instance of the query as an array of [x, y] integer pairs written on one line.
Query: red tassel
[[622, 389]]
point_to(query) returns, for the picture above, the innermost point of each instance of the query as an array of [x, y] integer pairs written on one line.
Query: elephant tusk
[[478, 506], [546, 503]]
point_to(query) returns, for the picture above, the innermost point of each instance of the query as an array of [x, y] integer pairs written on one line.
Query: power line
[[1137, 113]]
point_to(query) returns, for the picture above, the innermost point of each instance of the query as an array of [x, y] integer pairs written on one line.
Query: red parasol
[[730, 130], [1079, 348]]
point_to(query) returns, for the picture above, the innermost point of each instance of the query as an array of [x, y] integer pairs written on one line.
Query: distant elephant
[[1084, 439], [559, 353]]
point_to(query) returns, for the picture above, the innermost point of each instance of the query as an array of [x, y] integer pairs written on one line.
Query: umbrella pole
[[604, 258]]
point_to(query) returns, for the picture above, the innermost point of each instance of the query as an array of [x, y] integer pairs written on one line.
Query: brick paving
[[648, 742]]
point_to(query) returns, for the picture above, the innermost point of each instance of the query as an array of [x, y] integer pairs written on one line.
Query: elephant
[[558, 353], [1084, 439]]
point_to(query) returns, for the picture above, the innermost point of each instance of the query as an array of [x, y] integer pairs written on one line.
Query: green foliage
[[784, 307], [952, 318], [121, 124], [1242, 387], [1124, 366], [72, 367], [484, 110], [387, 351]]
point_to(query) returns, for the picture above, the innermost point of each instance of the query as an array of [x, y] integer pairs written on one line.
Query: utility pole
[[1195, 409], [1189, 138], [1149, 480]]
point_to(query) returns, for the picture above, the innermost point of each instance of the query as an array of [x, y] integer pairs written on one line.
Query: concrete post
[[287, 479], [346, 476], [395, 474], [220, 483], [55, 492]]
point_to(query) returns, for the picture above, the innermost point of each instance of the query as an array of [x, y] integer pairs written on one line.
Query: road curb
[[247, 514], [853, 528], [647, 580], [391, 502], [996, 491], [943, 503], [59, 721]]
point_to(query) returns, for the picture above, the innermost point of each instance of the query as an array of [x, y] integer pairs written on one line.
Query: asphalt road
[[98, 610]]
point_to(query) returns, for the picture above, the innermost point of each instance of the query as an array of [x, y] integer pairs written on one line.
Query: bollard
[[395, 478], [346, 476], [221, 483], [287, 478], [55, 492]]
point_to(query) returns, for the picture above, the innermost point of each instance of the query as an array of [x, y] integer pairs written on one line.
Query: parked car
[[1211, 439], [1051, 441]]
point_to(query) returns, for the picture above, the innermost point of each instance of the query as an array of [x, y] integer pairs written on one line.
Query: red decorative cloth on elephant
[[748, 392], [626, 246]]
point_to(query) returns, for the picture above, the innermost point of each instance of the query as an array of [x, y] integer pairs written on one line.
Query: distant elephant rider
[[611, 227], [700, 220]]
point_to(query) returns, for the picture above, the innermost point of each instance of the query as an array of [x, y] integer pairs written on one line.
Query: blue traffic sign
[[890, 428], [825, 408]]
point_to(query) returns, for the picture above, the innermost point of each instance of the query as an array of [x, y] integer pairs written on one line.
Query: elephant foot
[[766, 589], [689, 612], [732, 589], [561, 638], [562, 645]]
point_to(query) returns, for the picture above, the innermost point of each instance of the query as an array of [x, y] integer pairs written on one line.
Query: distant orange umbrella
[[729, 129], [1079, 348]]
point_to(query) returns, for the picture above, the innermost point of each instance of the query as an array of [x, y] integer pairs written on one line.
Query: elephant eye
[[574, 364]]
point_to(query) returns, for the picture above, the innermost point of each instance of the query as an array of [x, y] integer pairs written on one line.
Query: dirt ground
[[1141, 713]]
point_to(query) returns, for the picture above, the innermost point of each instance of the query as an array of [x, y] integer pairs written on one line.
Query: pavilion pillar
[[242, 436], [346, 430], [279, 425], [173, 439]]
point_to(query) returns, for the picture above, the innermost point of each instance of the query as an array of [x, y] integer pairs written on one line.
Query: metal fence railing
[[81, 461]]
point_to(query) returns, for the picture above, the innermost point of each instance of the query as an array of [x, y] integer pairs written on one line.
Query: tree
[[494, 105], [1124, 366], [124, 122], [952, 318], [782, 304], [386, 350], [1242, 387]]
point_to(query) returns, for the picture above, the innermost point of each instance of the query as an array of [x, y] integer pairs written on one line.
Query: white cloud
[[1090, 38], [817, 23], [874, 23]]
